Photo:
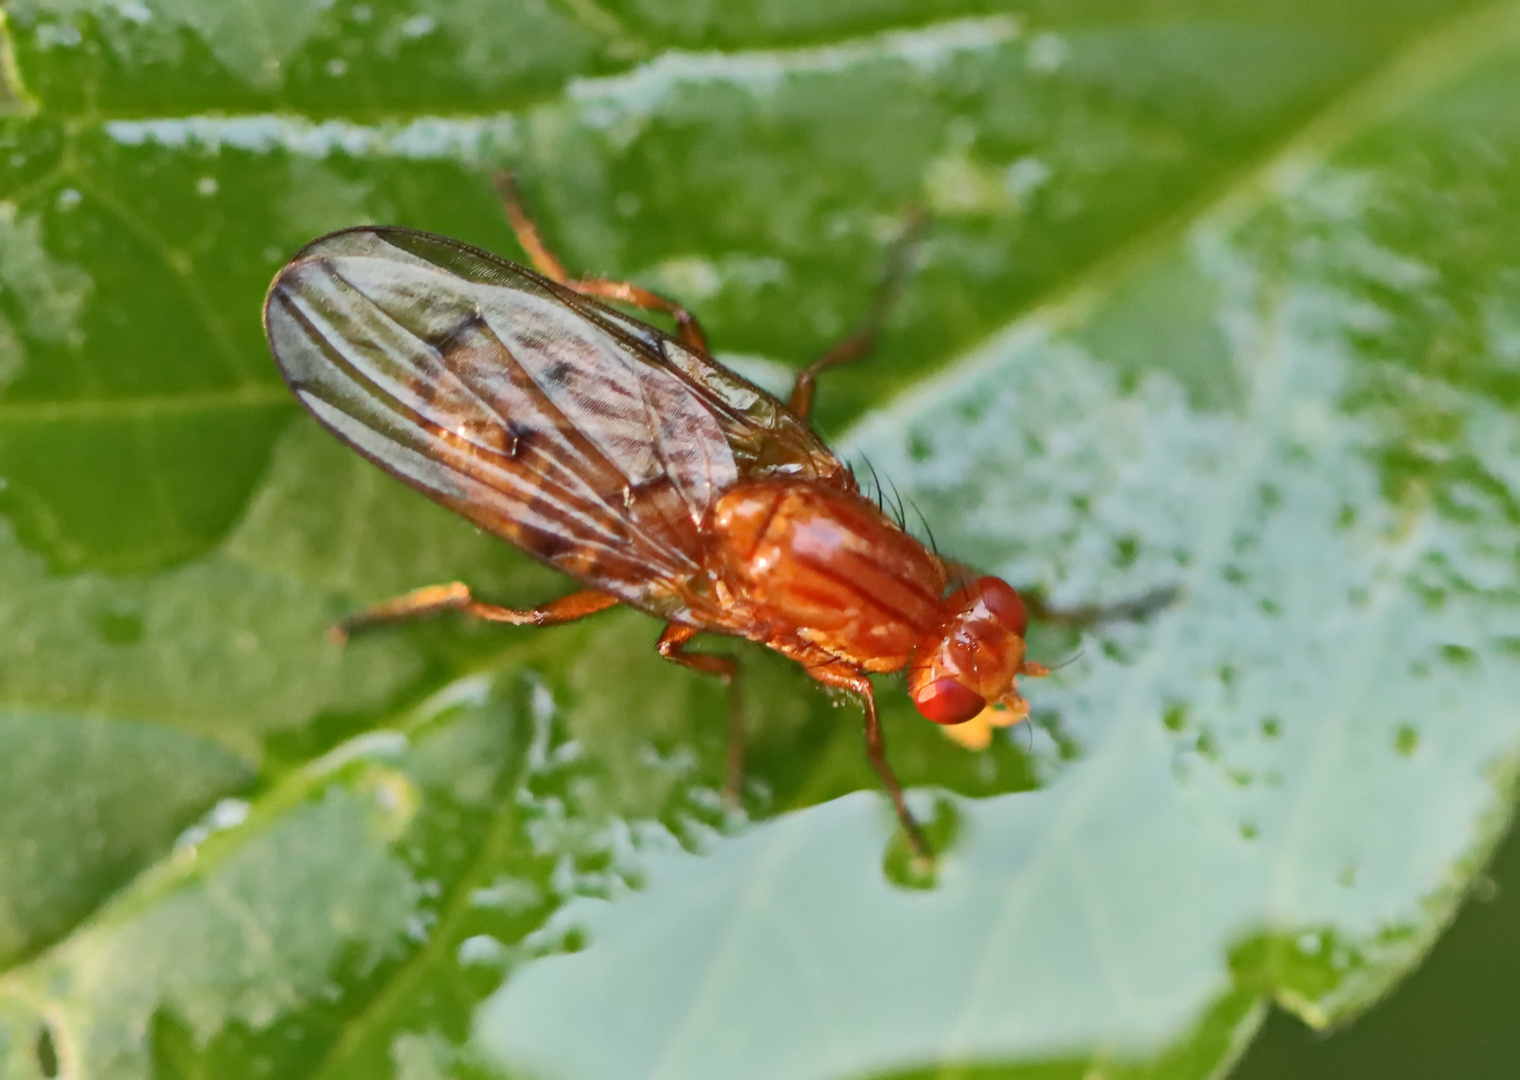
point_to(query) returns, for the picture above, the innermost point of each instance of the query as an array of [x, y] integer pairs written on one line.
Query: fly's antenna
[[1068, 661]]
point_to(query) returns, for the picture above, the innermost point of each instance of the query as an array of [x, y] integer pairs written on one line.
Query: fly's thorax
[[823, 565], [974, 657]]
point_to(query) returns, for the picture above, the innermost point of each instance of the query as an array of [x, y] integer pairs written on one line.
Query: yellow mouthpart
[[976, 733]]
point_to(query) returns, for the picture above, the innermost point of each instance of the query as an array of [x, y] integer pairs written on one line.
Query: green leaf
[[1225, 303]]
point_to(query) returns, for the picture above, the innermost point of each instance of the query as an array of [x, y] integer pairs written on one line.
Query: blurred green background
[[1221, 298]]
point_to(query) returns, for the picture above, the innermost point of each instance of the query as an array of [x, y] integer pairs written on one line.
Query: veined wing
[[765, 438], [587, 438]]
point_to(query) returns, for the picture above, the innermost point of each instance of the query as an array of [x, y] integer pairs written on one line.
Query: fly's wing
[[547, 419], [765, 438]]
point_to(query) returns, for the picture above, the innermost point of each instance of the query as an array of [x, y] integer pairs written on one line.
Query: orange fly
[[632, 461]]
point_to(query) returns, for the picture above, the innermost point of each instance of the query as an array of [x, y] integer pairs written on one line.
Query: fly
[[632, 461]]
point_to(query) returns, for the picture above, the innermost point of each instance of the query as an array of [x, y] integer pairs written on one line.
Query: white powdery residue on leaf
[[691, 277], [606, 101], [957, 184], [226, 814], [426, 138], [1026, 175], [481, 950], [418, 26], [51, 293], [512, 895], [429, 1056], [47, 295], [697, 278], [1026, 502], [1048, 53]]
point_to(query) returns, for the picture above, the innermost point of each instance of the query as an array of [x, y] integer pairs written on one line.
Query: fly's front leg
[[863, 340], [841, 675], [688, 330], [1094, 616], [672, 647], [455, 596], [876, 750], [1084, 616]]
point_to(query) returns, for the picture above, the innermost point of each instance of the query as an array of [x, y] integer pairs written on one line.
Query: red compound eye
[[1004, 602], [946, 701]]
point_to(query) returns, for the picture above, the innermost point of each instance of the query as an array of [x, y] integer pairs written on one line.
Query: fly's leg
[[1085, 616], [1094, 616], [455, 596], [688, 330], [672, 647], [842, 675], [863, 340], [851, 348], [543, 260], [876, 751]]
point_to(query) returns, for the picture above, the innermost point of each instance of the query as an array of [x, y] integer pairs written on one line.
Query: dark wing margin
[[560, 427]]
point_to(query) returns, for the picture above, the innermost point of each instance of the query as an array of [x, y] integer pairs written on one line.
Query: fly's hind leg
[[863, 340], [672, 647], [455, 596], [688, 330]]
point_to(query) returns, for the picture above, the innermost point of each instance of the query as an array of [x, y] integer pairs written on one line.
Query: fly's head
[[969, 670]]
